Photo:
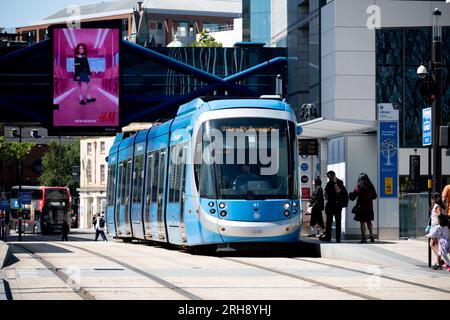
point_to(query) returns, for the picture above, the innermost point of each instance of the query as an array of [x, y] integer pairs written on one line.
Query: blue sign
[[4, 205], [25, 198], [304, 167], [388, 159], [426, 127]]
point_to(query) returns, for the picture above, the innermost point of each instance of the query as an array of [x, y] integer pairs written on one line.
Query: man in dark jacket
[[333, 208]]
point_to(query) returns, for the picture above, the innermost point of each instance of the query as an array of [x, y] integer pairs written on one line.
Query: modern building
[[347, 56], [152, 22]]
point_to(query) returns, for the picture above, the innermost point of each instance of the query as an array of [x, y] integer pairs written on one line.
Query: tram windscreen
[[246, 158]]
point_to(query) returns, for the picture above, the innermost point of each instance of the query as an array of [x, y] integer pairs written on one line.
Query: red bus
[[47, 211]]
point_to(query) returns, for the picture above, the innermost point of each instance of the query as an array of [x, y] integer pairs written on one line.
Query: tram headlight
[[295, 204], [223, 213], [211, 204], [295, 211], [222, 205], [287, 213], [212, 211], [287, 206]]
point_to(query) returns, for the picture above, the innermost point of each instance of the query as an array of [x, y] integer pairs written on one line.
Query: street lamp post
[[19, 135], [434, 95], [436, 63]]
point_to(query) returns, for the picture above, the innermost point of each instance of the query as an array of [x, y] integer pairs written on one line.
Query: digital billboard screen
[[86, 78]]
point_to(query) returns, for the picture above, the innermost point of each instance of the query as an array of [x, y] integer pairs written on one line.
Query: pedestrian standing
[[317, 205], [441, 234], [446, 198], [364, 194], [94, 220], [337, 198], [65, 230], [101, 224], [437, 208]]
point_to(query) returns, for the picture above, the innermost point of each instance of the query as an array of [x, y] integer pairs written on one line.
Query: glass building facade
[[400, 52], [257, 21]]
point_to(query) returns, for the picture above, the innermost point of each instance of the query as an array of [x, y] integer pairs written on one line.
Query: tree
[[15, 150], [207, 41], [58, 163]]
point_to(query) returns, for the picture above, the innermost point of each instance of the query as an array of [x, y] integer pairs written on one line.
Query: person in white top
[[101, 224], [437, 207], [441, 234]]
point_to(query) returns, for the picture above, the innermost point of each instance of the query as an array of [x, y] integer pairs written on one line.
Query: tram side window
[[120, 182], [111, 184], [150, 165], [183, 170], [138, 179], [123, 182], [155, 178], [162, 171], [128, 178], [172, 172], [179, 176]]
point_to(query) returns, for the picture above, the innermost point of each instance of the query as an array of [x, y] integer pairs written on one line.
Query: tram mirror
[[299, 130]]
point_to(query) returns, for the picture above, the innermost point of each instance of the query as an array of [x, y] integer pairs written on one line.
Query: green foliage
[[15, 150], [206, 41], [58, 163]]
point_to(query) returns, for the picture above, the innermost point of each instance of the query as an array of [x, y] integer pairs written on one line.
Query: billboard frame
[[86, 130]]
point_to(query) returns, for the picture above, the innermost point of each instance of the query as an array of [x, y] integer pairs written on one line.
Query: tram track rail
[[279, 272], [305, 279], [143, 273], [377, 275], [75, 287]]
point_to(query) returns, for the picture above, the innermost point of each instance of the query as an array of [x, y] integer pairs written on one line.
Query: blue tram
[[221, 172]]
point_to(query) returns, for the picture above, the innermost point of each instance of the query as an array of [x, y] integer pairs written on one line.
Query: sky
[[16, 13]]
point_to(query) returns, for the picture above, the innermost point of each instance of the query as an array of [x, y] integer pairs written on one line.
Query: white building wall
[[93, 192], [229, 38]]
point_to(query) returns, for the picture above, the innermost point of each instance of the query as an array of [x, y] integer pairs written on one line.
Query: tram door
[[156, 213], [123, 201], [161, 180], [152, 171], [176, 194]]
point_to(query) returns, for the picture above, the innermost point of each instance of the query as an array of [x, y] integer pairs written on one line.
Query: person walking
[[337, 198], [101, 224], [364, 194], [65, 230], [446, 198], [437, 208], [317, 205], [440, 233]]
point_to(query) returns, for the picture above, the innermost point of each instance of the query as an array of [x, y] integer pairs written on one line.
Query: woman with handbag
[[365, 194], [316, 206], [437, 207]]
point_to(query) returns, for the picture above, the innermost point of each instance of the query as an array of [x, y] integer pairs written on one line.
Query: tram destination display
[[309, 147]]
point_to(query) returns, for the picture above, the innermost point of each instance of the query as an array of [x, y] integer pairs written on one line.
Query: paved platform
[[4, 256], [135, 271], [385, 253]]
